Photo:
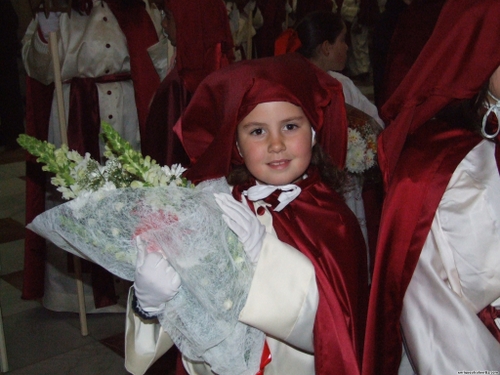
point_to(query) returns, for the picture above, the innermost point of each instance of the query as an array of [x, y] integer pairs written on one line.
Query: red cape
[[426, 165], [335, 246]]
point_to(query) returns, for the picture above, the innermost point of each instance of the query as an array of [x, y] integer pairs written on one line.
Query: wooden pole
[[64, 138], [250, 36]]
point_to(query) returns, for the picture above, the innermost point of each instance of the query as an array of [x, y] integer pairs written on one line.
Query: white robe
[[353, 96], [89, 46], [457, 275]]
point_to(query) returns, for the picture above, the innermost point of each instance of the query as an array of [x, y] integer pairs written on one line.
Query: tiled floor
[[40, 341]]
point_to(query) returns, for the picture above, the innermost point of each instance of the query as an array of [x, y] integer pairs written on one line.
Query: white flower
[[108, 186], [360, 154], [136, 184], [66, 192], [80, 201]]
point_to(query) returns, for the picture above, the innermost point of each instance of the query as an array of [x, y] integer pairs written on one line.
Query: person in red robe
[[312, 232], [274, 15], [200, 32], [435, 285], [139, 33]]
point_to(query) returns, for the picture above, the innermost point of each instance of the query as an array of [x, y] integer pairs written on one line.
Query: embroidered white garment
[[288, 193]]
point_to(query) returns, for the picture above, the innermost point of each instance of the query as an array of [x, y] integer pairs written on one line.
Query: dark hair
[[466, 113], [329, 173], [315, 28]]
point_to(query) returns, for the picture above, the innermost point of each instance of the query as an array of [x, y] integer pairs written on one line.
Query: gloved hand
[[156, 282], [50, 24], [243, 223]]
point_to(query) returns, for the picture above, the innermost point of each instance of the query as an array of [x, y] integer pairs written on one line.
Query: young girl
[[436, 286], [275, 127]]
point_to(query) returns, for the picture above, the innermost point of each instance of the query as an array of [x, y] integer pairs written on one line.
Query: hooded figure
[[436, 274], [204, 43], [312, 249]]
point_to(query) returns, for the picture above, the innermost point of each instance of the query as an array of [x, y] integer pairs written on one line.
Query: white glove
[[156, 282], [243, 223], [50, 24]]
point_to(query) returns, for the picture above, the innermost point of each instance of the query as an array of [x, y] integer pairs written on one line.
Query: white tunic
[[282, 302], [92, 46], [354, 97], [457, 275]]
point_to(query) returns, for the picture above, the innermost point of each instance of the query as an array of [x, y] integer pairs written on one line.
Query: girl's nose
[[276, 143]]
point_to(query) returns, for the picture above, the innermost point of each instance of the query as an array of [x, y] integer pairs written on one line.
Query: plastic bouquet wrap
[[132, 204]]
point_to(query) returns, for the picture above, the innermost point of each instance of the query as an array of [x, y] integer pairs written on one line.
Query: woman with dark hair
[[322, 40], [436, 286]]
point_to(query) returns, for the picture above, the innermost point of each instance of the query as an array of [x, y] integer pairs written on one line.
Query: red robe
[[425, 167], [320, 225]]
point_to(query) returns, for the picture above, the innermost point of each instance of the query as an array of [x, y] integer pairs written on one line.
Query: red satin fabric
[[335, 246], [160, 142], [204, 44], [488, 316], [84, 121], [204, 40], [459, 57], [425, 167], [413, 29], [38, 104], [207, 128], [274, 15], [288, 41]]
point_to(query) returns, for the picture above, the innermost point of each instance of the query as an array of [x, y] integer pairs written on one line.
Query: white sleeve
[[457, 274], [353, 96], [283, 297], [145, 342], [35, 53]]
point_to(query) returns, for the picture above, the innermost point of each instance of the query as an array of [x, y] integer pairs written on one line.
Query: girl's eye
[[290, 126], [257, 131]]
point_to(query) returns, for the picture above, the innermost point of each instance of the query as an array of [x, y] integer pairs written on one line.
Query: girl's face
[[275, 141], [338, 52]]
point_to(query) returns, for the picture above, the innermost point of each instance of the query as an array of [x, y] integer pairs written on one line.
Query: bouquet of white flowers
[[132, 204]]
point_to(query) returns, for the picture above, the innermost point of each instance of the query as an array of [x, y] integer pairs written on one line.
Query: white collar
[[288, 193]]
